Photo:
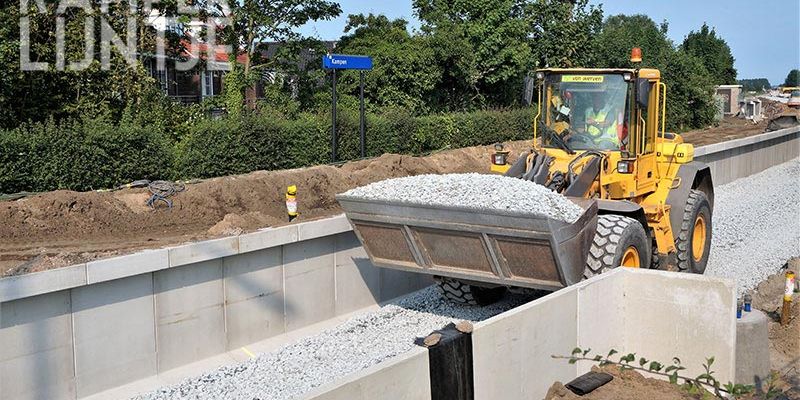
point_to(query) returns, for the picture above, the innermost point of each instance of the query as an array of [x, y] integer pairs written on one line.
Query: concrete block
[[323, 227], [114, 329], [309, 282], [36, 359], [253, 296], [752, 348], [601, 315], [189, 313], [267, 238], [203, 251], [358, 282], [17, 287], [681, 315], [406, 377], [129, 265], [511, 351]]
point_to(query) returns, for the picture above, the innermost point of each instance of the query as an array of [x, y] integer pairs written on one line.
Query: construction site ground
[[61, 228]]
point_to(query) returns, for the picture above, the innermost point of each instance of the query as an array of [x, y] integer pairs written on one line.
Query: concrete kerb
[[125, 266], [29, 285]]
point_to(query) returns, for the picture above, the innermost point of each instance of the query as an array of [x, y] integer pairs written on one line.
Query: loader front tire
[[462, 293], [693, 242], [619, 241]]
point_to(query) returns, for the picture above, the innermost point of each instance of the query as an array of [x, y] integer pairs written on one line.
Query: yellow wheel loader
[[598, 139]]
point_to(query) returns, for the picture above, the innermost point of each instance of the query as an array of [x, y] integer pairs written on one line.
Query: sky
[[764, 35]]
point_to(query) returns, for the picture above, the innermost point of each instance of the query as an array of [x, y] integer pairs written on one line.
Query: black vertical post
[[363, 119], [334, 140]]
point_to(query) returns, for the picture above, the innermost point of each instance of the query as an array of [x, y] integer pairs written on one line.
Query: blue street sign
[[343, 61]]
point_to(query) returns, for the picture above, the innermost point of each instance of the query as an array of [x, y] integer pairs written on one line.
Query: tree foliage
[[562, 33], [405, 71], [755, 85], [714, 52], [792, 79]]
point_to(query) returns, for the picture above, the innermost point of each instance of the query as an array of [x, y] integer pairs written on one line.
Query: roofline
[[593, 70]]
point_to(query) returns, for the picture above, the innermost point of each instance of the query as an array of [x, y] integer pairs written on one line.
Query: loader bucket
[[489, 247]]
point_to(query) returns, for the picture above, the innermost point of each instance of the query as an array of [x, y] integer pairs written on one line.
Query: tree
[[59, 92], [621, 33], [755, 85], [563, 33], [482, 47], [714, 52], [405, 70], [254, 23], [792, 79], [690, 89]]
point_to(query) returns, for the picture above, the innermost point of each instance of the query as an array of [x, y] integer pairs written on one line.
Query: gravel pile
[[756, 225], [316, 360], [478, 191]]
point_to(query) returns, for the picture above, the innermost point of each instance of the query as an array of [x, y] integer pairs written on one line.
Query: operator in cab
[[601, 122]]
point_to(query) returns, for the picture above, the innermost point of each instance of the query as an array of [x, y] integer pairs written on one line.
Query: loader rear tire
[[693, 242], [462, 293], [619, 241]]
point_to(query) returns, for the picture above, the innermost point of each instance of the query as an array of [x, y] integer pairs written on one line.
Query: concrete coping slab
[[34, 284], [28, 285], [746, 141]]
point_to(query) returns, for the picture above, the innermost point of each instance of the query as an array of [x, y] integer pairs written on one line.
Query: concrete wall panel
[[36, 348], [601, 315], [189, 313], [512, 352], [404, 378], [309, 282], [253, 296], [114, 333], [681, 315], [358, 282]]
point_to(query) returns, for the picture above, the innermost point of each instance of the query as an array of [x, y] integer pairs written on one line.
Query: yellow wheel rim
[[699, 238], [631, 258]]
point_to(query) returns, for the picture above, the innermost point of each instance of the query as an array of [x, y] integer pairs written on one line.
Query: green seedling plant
[[699, 385]]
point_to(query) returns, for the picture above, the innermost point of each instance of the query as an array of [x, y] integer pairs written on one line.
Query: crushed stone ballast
[[473, 191]]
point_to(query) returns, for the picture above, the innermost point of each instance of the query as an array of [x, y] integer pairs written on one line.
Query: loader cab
[[616, 113]]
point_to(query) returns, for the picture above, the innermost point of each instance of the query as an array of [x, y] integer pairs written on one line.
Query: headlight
[[499, 159], [625, 167]]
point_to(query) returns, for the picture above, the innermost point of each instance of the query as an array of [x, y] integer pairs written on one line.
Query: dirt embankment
[[60, 228]]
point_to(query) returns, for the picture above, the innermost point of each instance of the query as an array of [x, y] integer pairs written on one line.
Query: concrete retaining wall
[[626, 310], [739, 158], [70, 333], [74, 331]]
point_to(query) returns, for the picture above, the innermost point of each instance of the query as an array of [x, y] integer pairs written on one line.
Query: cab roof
[[648, 73]]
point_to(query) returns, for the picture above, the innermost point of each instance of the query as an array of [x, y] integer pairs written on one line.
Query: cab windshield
[[585, 111]]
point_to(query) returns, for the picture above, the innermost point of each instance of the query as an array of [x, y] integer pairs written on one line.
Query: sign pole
[[334, 140], [363, 119], [344, 61]]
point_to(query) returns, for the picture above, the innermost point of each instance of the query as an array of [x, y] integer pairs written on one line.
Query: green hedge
[[94, 154]]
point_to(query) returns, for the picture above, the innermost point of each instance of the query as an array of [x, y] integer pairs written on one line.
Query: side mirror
[[642, 92]]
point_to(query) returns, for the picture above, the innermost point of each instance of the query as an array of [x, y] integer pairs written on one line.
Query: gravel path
[[316, 360], [479, 191], [756, 225]]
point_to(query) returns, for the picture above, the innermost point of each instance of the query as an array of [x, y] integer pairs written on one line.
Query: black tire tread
[[682, 241], [603, 251]]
